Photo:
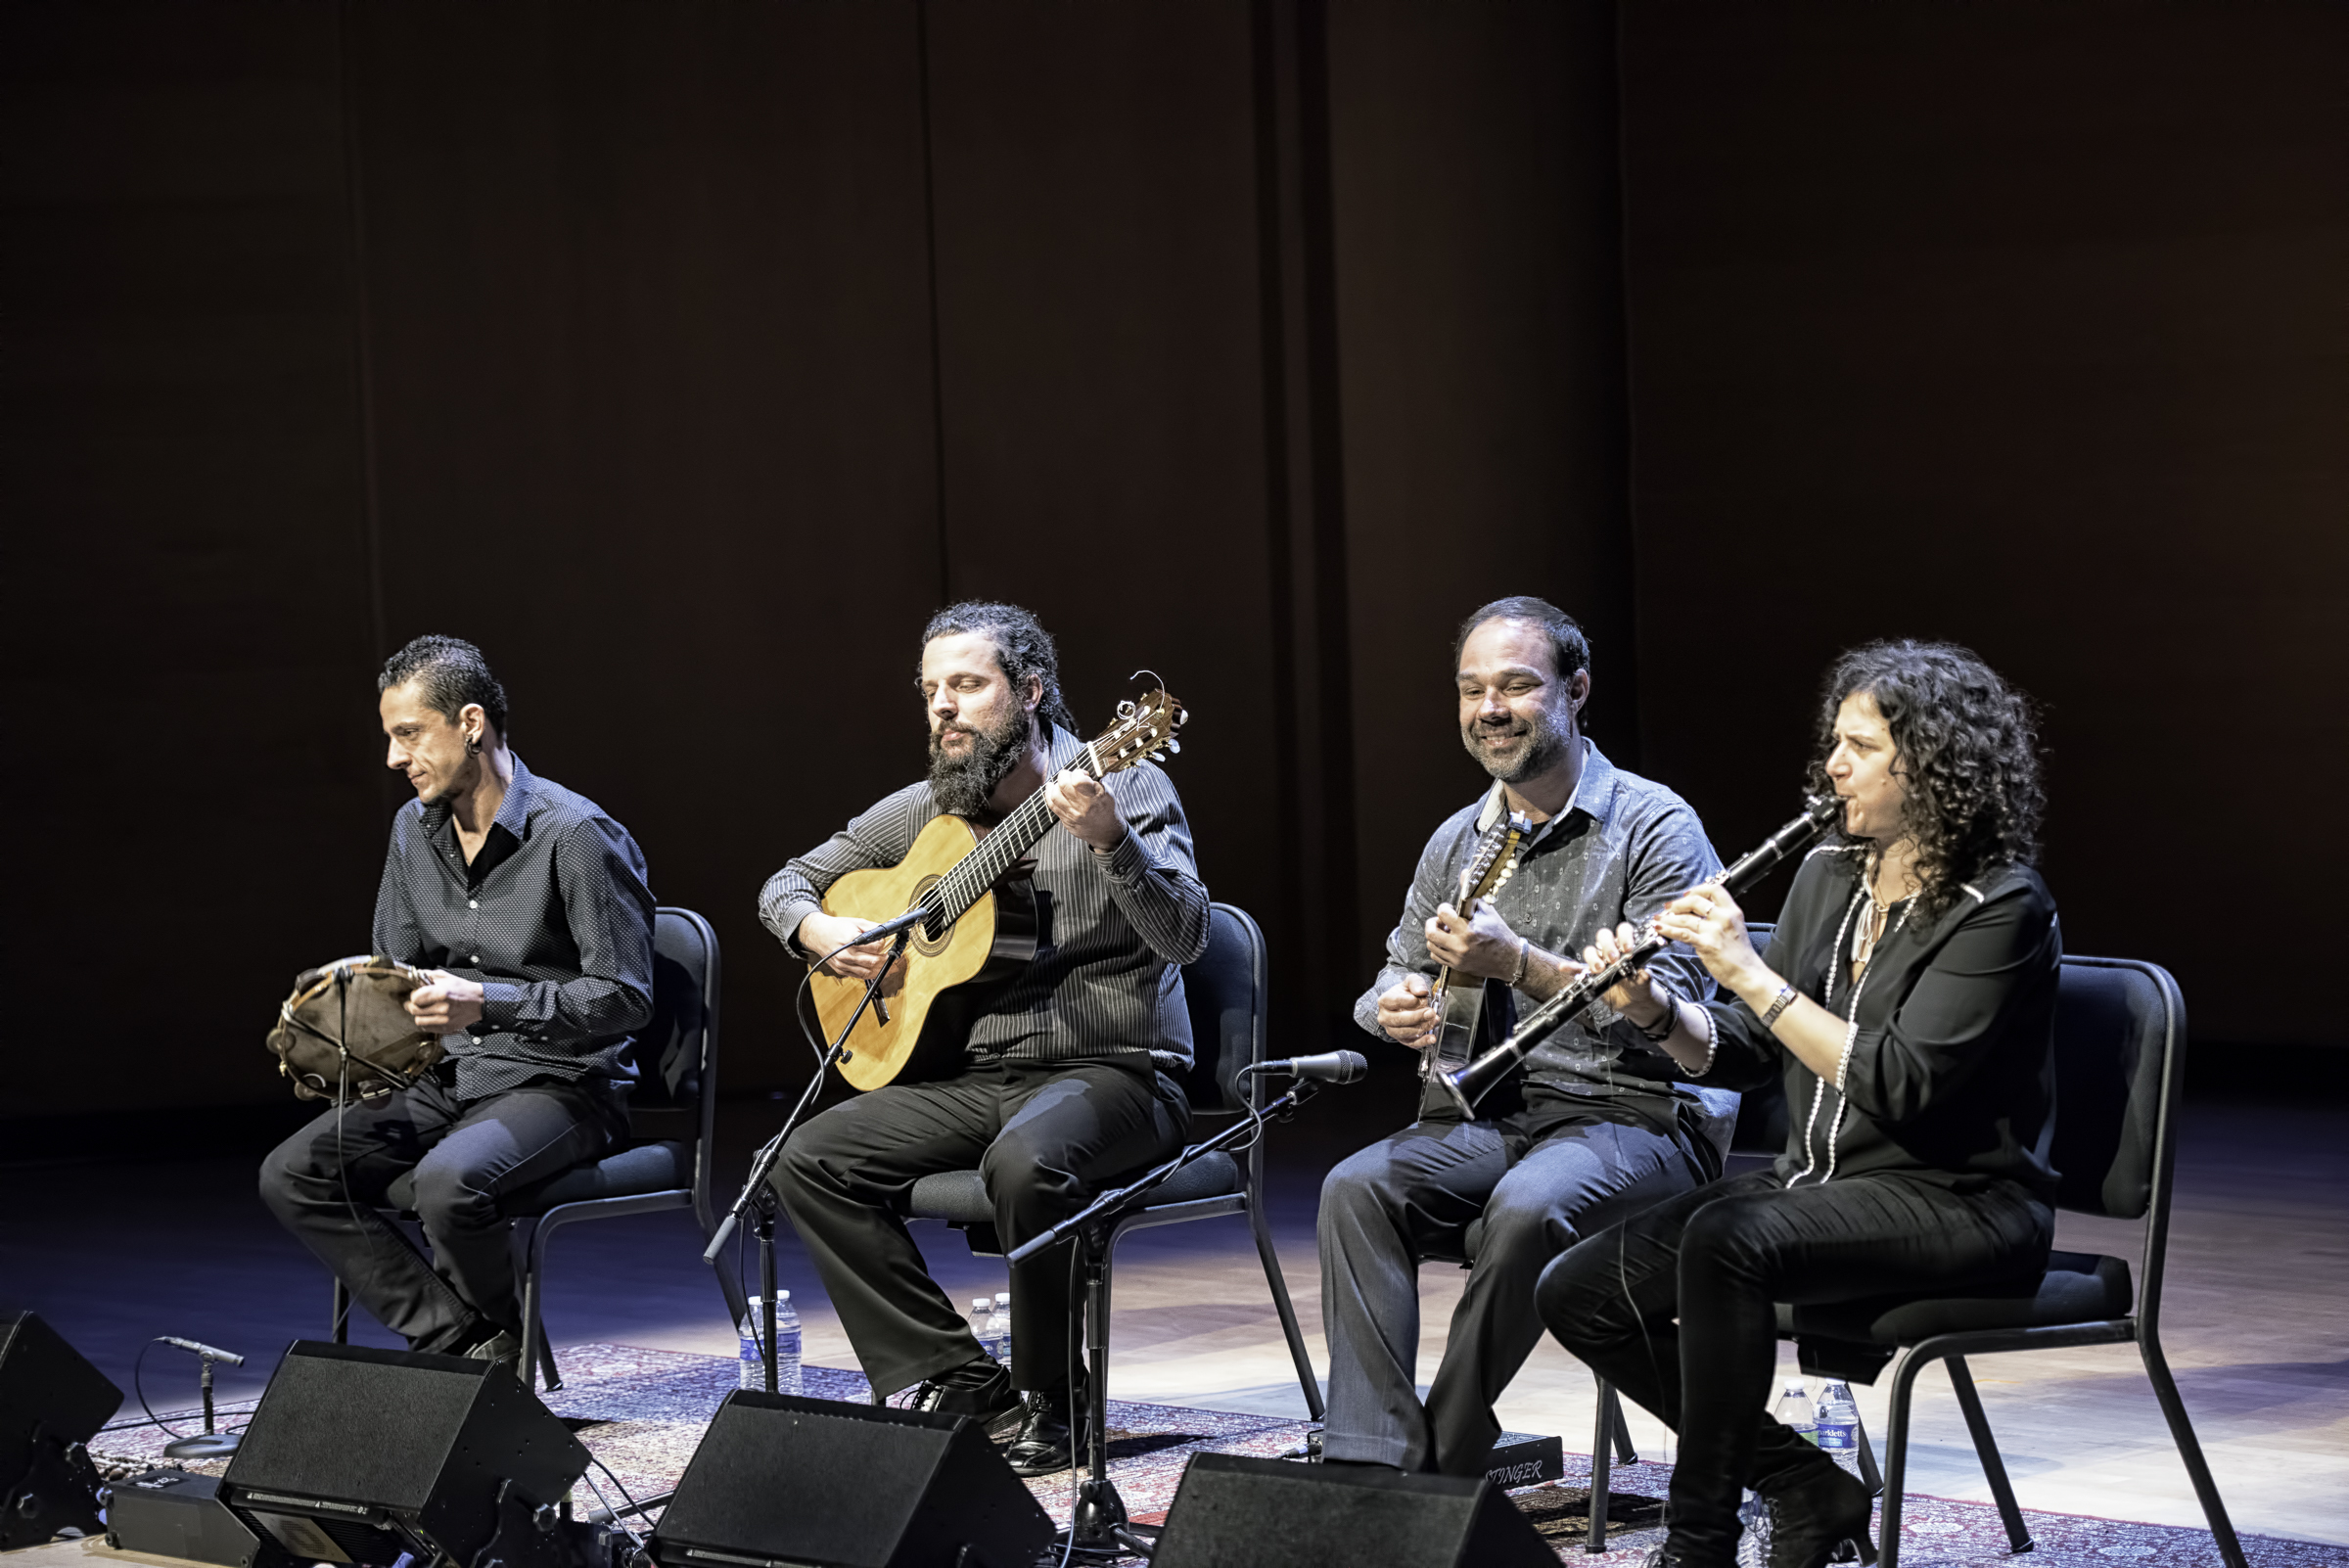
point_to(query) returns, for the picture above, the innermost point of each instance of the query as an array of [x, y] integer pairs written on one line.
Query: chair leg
[[2189, 1450], [1625, 1453], [341, 1313], [1278, 1283], [1869, 1476], [537, 1355], [2018, 1538], [1896, 1455], [1602, 1448]]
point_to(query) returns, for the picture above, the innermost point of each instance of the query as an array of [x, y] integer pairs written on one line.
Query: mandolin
[[1459, 999], [981, 922]]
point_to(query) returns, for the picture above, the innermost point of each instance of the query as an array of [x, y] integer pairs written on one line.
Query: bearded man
[[1065, 1082], [1603, 1129]]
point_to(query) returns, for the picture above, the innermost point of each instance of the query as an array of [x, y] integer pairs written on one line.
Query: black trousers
[[1045, 1136], [326, 1183], [1718, 1258]]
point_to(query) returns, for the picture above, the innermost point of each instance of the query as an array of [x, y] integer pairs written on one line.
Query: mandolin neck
[[1001, 850]]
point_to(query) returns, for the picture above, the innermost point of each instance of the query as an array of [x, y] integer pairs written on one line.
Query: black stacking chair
[[666, 1163], [1226, 989], [2120, 1059]]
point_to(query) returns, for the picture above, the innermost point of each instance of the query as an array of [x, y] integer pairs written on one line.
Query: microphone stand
[[757, 1200], [1099, 1522], [209, 1443]]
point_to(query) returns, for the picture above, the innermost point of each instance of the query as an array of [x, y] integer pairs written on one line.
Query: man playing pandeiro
[[530, 909], [1064, 1081], [1603, 1130], [1907, 1001]]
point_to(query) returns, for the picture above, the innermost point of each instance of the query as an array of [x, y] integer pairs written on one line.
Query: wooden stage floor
[[114, 1252]]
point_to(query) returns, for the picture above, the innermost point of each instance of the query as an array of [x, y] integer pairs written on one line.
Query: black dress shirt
[[1106, 981], [553, 917], [1950, 1073]]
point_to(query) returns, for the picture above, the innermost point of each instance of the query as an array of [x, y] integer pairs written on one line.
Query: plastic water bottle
[[983, 1308], [1796, 1412], [1839, 1424], [788, 1379], [999, 1329], [1752, 1533], [753, 1370]]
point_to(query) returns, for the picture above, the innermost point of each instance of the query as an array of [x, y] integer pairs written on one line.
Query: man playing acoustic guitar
[[1060, 1081], [1603, 1130]]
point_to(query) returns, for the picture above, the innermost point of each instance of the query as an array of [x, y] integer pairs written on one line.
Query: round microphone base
[[203, 1446]]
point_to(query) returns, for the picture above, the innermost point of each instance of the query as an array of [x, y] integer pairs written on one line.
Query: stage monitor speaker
[[781, 1482], [357, 1454], [52, 1401], [1237, 1512], [174, 1514]]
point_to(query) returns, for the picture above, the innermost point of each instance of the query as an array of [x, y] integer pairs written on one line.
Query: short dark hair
[[1023, 648], [1967, 747], [449, 672], [1569, 644]]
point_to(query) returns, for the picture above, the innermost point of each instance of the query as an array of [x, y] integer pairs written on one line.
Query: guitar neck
[[1001, 850]]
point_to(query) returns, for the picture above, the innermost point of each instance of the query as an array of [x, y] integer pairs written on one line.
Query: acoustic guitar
[[980, 923], [1459, 999]]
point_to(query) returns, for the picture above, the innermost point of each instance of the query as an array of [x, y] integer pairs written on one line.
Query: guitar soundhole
[[927, 946]]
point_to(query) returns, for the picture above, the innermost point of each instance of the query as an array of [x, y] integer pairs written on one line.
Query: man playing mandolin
[[1057, 1080], [1569, 846]]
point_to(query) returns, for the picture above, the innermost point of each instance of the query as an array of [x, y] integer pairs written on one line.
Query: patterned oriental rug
[[642, 1412]]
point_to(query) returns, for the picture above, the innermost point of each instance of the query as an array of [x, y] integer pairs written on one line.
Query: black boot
[[1818, 1514], [1047, 1444]]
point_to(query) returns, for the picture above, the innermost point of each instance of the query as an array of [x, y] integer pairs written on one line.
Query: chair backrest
[[1224, 988], [677, 1053], [2120, 1050]]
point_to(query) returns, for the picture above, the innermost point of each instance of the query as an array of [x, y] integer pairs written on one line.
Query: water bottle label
[[1834, 1435]]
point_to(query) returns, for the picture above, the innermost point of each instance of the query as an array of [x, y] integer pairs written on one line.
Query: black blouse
[[1950, 1074]]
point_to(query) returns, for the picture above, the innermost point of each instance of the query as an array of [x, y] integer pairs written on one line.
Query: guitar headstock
[[1145, 731]]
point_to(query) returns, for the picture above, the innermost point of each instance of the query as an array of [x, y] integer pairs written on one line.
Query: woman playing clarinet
[[1907, 1002]]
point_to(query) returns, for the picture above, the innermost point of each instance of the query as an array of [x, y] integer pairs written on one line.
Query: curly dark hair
[[450, 672], [1966, 745], [1023, 648]]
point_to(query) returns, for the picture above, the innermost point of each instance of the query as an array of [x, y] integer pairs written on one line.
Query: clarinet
[[1478, 1077]]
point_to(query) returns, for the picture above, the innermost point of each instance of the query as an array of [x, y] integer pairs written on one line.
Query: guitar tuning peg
[[1182, 716], [1157, 757], [1174, 745], [1126, 709]]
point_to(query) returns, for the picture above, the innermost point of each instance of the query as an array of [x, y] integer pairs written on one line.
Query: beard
[[961, 785], [1544, 742]]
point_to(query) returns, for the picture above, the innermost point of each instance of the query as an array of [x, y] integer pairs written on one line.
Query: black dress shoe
[[981, 1390], [1044, 1445], [1818, 1514]]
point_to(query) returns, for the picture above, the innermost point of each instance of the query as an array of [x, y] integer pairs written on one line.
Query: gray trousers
[[324, 1184], [1539, 1184]]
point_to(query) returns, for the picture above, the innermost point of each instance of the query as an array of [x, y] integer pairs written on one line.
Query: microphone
[[1330, 1067], [891, 927], [202, 1349]]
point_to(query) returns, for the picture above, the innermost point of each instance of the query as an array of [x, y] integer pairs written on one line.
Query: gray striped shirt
[[1114, 929], [1623, 847]]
